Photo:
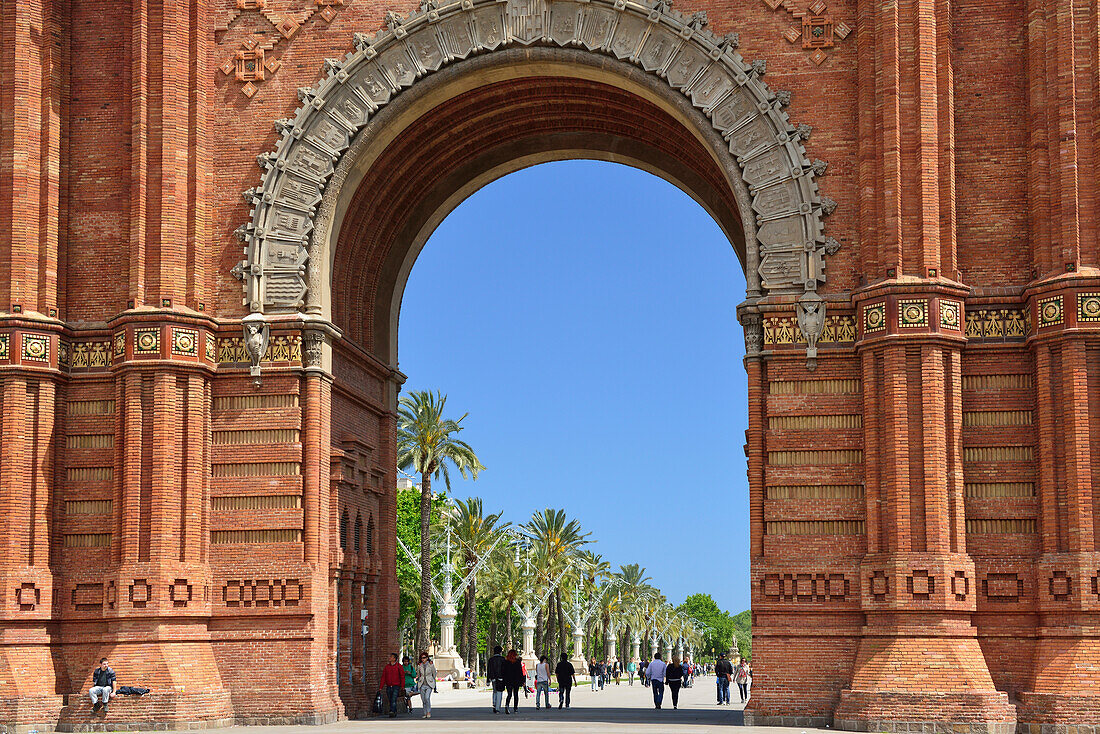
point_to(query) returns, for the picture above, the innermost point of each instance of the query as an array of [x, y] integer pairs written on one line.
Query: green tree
[[408, 530], [557, 540], [428, 443], [721, 627]]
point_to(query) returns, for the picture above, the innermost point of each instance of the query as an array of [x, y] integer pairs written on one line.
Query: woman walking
[[425, 681], [631, 669], [513, 679], [542, 681], [674, 677]]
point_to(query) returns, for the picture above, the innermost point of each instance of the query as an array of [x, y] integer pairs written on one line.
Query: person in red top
[[393, 680]]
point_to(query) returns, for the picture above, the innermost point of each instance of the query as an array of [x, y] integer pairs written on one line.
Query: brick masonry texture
[[924, 501]]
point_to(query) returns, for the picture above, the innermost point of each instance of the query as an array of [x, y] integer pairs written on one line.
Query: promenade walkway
[[615, 710]]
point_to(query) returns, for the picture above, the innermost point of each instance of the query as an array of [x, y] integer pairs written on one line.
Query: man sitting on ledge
[[103, 685]]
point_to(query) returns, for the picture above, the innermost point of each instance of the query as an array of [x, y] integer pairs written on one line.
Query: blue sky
[[584, 314]]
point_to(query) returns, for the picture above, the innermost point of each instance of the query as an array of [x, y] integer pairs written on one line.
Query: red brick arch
[[646, 86]]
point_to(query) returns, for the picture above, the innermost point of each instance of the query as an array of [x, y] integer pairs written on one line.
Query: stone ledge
[[1027, 728], [753, 719], [926, 727]]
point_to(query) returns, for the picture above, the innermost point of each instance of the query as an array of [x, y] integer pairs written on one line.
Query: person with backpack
[[494, 673], [393, 681]]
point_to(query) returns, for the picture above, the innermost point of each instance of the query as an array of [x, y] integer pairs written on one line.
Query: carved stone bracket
[[674, 46]]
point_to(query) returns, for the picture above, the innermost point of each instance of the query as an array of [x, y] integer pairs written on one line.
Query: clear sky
[[584, 314]]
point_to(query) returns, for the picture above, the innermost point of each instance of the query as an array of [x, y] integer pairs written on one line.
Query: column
[[579, 663], [918, 584], [159, 582], [1063, 187]]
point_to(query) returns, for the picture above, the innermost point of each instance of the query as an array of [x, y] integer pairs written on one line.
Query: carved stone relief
[[278, 271]]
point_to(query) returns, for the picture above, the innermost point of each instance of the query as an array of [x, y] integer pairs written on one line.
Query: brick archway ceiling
[[484, 129]]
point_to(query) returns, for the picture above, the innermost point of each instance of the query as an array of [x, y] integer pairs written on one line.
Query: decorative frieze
[[784, 330], [805, 587], [815, 387], [997, 324]]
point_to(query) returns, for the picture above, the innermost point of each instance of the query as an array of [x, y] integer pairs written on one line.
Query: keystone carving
[[256, 335], [811, 322], [281, 239]]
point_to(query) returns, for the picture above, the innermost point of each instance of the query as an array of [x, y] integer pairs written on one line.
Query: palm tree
[[428, 443], [476, 533], [557, 539], [595, 571], [636, 590]]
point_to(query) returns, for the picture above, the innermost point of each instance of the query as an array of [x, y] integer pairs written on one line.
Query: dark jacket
[[104, 678], [674, 672], [494, 670], [513, 674], [723, 667], [564, 673]]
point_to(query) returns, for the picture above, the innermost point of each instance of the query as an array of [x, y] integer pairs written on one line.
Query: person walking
[[567, 676], [494, 673], [425, 683], [655, 671], [631, 669], [594, 673], [642, 674], [410, 688], [741, 678], [513, 679], [542, 681], [674, 678], [616, 672], [103, 686], [723, 671], [393, 680]]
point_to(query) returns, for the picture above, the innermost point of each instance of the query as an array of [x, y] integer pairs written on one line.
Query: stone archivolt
[[675, 47]]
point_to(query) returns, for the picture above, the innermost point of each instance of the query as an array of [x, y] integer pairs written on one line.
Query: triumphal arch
[[197, 389]]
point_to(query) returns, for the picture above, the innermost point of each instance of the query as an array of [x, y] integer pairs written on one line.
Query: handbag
[[377, 707]]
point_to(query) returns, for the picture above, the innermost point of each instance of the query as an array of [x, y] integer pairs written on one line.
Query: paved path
[[615, 710]]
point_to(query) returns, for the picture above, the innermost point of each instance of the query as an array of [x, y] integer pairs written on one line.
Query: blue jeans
[[723, 689], [392, 692], [497, 696], [658, 692], [542, 687]]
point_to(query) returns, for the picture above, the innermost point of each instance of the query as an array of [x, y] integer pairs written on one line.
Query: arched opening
[[432, 109]]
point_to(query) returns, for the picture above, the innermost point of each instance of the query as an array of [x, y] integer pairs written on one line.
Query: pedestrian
[[603, 673], [542, 681], [393, 680], [425, 683], [513, 679], [674, 678], [594, 673], [642, 674], [723, 671], [567, 676], [103, 686], [741, 678], [410, 689], [494, 673], [631, 669], [616, 672], [655, 671]]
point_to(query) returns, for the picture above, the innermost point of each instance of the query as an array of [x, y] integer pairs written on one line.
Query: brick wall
[[922, 500]]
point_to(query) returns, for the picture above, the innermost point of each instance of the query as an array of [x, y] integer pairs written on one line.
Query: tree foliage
[[721, 628]]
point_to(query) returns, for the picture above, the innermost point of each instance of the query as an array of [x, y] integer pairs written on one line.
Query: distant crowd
[[506, 674]]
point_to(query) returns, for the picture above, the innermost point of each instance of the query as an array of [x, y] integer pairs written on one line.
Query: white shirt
[[542, 673], [656, 670]]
